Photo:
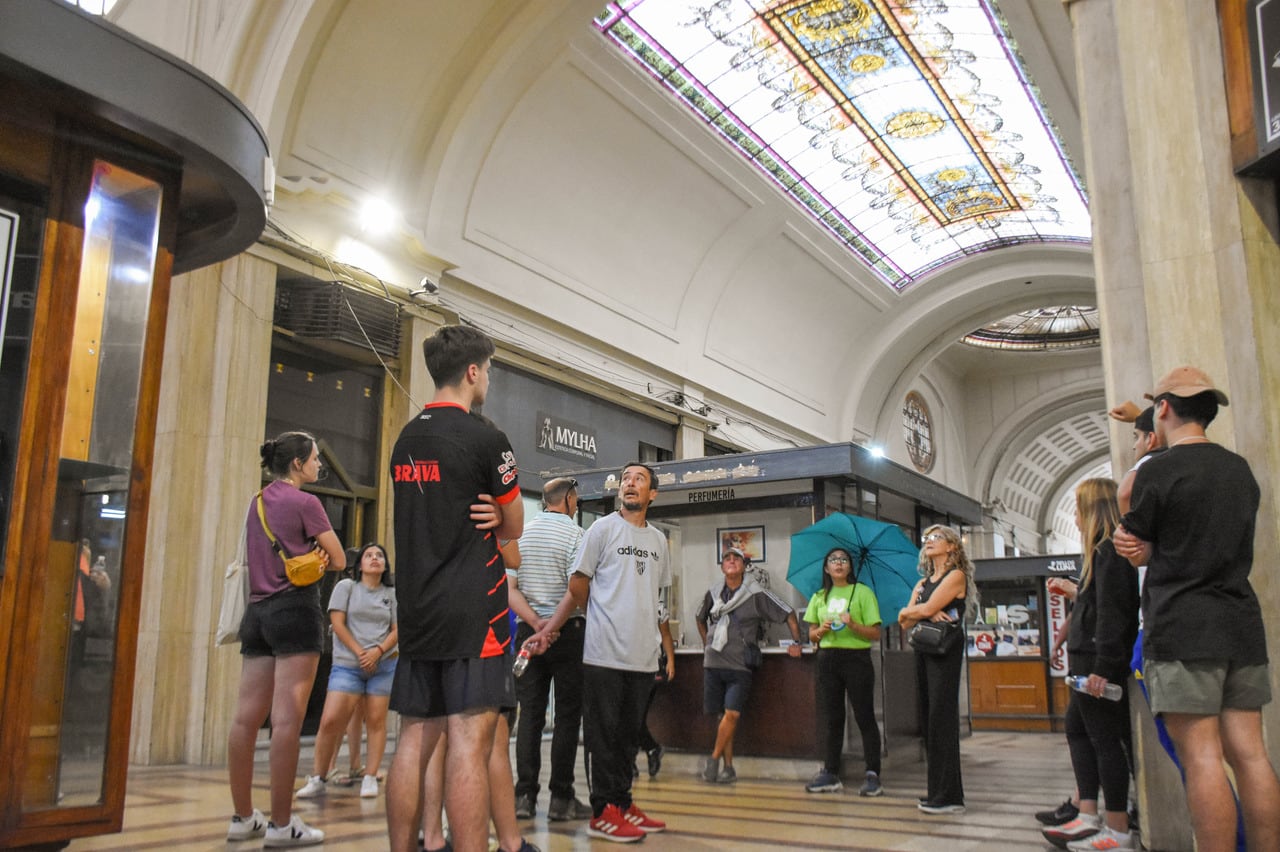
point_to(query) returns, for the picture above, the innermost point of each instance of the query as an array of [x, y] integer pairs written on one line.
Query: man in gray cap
[[734, 610], [1191, 522]]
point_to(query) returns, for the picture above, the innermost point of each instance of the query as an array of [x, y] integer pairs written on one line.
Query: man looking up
[[624, 570], [1191, 522], [734, 609], [548, 549], [455, 489]]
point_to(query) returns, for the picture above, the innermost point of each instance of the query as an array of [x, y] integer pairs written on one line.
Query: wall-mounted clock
[[917, 432]]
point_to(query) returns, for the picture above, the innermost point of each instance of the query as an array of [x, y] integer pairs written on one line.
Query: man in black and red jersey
[[456, 493]]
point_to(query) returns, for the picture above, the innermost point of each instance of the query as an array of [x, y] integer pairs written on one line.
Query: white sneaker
[[247, 828], [369, 787], [1106, 839], [314, 788], [1084, 825], [296, 833]]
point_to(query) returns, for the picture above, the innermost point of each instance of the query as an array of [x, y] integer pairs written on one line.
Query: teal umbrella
[[883, 558]]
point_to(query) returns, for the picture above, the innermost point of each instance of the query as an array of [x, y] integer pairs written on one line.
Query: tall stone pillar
[[213, 400], [1109, 178], [1190, 249]]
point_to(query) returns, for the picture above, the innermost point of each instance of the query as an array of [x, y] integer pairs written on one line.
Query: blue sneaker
[[824, 782]]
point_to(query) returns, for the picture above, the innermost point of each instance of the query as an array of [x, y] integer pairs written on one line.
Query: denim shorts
[[725, 689], [1205, 687], [356, 682]]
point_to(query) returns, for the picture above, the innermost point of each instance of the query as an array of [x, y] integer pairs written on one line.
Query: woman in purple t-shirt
[[280, 640]]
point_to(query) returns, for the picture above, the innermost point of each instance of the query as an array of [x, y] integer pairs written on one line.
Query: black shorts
[[289, 622], [426, 689]]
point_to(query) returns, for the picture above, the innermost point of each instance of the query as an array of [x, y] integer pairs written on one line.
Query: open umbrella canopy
[[883, 558]]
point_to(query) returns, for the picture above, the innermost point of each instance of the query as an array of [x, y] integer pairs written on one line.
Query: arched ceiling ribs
[[1035, 416], [1025, 477], [1065, 484]]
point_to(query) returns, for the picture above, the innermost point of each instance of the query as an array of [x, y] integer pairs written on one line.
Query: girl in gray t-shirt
[[363, 615]]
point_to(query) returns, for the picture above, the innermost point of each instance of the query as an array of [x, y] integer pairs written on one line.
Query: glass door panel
[[70, 715]]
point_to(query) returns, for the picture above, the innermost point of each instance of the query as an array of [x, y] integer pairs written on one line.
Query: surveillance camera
[[426, 285]]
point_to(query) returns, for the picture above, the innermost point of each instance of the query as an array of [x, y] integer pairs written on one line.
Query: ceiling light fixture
[[378, 216]]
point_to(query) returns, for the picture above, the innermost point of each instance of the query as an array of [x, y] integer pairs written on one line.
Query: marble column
[[1173, 223], [1109, 179], [213, 396]]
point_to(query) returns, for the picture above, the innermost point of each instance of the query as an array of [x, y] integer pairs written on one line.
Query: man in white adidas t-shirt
[[624, 571]]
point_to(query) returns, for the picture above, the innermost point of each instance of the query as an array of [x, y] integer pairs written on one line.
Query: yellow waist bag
[[301, 570]]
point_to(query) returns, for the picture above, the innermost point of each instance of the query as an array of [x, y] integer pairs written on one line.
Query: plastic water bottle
[[521, 663], [1111, 692]]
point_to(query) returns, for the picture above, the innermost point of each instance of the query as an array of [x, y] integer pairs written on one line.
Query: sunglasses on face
[[934, 537]]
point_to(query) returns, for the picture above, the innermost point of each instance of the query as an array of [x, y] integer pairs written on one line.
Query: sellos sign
[[564, 439]]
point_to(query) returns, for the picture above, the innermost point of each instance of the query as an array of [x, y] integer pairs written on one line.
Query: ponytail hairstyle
[[1099, 516], [279, 453]]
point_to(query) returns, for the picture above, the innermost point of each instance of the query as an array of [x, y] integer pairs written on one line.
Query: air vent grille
[[319, 310]]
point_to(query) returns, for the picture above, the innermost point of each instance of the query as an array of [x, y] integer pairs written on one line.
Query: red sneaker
[[643, 821], [612, 825]]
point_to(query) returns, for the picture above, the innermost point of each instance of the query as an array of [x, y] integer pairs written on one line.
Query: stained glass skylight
[[907, 128], [1040, 329]]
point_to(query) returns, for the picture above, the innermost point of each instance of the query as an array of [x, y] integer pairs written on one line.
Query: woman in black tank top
[[942, 595]]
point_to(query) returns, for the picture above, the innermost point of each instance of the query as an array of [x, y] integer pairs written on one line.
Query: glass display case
[[1010, 622], [1012, 676]]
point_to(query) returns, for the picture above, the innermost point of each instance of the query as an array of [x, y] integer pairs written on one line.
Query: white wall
[[697, 567]]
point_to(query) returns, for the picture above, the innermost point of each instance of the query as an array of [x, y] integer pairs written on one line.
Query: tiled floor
[[1007, 777]]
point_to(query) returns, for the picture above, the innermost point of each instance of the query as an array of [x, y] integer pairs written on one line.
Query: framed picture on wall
[[750, 540]]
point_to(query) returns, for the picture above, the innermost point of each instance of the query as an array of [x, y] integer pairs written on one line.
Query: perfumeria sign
[[564, 439]]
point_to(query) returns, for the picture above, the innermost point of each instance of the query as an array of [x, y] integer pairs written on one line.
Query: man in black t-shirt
[[1191, 521], [456, 493]]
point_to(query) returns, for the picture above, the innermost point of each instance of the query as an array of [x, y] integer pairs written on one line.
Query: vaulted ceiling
[[575, 204]]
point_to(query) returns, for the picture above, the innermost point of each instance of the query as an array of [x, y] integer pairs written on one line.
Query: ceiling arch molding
[[929, 353], [1024, 477], [1051, 506], [1030, 419], [933, 318]]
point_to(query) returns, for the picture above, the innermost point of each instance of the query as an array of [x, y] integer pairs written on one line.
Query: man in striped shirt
[[548, 549]]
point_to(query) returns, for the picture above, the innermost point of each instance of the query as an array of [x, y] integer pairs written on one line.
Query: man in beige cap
[[1191, 522]]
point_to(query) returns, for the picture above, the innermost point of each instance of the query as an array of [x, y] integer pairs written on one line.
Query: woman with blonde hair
[[945, 594], [1104, 624]]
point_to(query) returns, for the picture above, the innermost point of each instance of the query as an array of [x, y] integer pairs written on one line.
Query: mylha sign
[[564, 439]]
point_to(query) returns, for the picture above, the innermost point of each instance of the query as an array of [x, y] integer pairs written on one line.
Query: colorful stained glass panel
[[907, 128]]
